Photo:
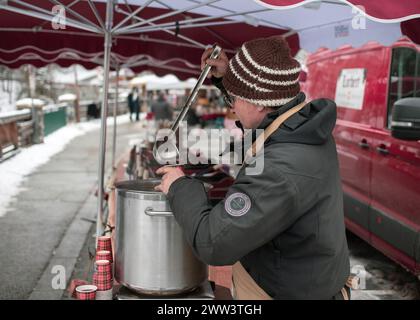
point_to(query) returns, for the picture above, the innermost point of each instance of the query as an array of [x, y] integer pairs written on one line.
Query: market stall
[[169, 36]]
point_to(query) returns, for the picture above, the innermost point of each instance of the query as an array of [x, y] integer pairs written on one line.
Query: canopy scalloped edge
[[355, 7]]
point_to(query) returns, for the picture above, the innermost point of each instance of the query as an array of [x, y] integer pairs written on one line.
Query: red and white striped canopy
[[168, 36], [383, 10]]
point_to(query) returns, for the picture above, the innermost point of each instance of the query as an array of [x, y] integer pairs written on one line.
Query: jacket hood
[[313, 124]]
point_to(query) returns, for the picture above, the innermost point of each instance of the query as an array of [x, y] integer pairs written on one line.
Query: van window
[[404, 79]]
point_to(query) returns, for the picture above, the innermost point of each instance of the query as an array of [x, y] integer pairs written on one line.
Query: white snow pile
[[13, 171]]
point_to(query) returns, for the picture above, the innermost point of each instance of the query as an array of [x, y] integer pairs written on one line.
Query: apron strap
[[259, 142], [244, 287]]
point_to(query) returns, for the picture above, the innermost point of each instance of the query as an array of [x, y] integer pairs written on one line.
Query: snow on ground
[[14, 170]]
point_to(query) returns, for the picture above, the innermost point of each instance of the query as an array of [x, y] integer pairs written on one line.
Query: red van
[[377, 91]]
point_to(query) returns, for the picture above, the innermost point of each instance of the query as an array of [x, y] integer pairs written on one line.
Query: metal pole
[[77, 89], [232, 11], [200, 45], [45, 15], [131, 15], [205, 19], [114, 134], [75, 14], [166, 15], [96, 13], [184, 26], [104, 111]]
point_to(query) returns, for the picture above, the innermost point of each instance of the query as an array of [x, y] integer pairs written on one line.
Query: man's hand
[[219, 65], [170, 174]]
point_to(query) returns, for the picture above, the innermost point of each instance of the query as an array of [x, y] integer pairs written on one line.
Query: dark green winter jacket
[[285, 225]]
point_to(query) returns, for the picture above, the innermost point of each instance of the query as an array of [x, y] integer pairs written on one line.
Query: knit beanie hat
[[263, 73]]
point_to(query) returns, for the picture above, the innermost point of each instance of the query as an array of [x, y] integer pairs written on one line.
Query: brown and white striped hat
[[263, 73]]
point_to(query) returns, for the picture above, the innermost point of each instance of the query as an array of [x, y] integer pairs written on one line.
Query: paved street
[[52, 196], [383, 279]]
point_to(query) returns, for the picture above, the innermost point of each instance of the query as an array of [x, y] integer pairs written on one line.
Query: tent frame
[[124, 29], [108, 32]]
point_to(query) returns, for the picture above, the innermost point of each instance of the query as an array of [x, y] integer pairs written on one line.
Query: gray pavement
[[45, 225], [84, 267], [381, 278]]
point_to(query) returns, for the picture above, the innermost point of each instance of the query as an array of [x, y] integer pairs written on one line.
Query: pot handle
[[150, 212]]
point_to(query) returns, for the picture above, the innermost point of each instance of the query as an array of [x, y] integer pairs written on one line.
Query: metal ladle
[[169, 156]]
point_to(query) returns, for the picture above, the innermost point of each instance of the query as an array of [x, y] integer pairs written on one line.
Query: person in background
[[92, 111], [133, 103], [183, 100], [192, 118], [202, 97], [137, 103], [161, 108]]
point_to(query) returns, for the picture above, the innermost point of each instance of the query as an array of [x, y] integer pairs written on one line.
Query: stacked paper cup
[[104, 244], [103, 276], [104, 255], [103, 280], [86, 292]]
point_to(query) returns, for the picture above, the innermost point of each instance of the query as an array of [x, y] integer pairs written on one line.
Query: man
[[161, 108], [282, 229], [134, 103], [137, 103]]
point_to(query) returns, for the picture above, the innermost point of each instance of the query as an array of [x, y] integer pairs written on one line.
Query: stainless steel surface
[[203, 292], [114, 109], [151, 253], [152, 213], [165, 157]]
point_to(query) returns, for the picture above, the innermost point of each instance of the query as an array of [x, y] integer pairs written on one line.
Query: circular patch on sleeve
[[237, 204]]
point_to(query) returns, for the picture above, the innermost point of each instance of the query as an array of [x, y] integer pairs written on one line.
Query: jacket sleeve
[[254, 211]]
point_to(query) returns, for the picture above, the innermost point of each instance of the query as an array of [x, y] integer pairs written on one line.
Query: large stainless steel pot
[[151, 253]]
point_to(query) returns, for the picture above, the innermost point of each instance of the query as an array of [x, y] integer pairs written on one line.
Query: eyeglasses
[[228, 99]]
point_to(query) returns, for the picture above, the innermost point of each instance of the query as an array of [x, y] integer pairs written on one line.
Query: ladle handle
[[214, 55]]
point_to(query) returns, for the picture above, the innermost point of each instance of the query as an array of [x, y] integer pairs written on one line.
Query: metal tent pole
[[43, 14], [188, 22], [166, 15], [104, 111], [169, 27], [96, 13], [131, 15], [114, 133], [198, 44], [75, 14]]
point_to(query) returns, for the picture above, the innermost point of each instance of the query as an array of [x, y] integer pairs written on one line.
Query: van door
[[353, 134], [395, 186], [345, 77]]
